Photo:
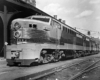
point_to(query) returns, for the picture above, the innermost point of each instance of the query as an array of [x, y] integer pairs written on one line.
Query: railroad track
[[87, 69], [53, 70]]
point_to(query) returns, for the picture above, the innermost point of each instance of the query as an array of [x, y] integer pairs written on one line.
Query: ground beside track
[[91, 75], [10, 73], [68, 73]]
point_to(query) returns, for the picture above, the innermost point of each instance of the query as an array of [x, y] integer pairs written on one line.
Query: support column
[[5, 28], [2, 35]]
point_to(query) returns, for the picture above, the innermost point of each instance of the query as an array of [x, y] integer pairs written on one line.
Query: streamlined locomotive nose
[[31, 31]]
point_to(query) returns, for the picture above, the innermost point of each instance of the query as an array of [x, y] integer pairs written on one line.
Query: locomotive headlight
[[17, 34], [17, 54], [17, 26]]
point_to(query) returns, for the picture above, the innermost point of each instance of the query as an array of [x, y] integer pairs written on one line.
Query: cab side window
[[51, 22]]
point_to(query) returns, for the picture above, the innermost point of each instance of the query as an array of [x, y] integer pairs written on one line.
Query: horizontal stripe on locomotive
[[35, 40], [30, 33], [40, 36], [75, 41], [46, 40]]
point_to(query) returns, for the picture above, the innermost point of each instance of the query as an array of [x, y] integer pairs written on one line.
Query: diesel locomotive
[[44, 39]]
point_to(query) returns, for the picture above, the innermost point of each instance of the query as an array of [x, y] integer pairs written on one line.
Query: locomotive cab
[[27, 35]]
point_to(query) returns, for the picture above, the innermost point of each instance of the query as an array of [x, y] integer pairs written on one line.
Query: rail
[[89, 68]]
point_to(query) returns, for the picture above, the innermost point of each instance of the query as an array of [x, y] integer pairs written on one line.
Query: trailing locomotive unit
[[44, 39]]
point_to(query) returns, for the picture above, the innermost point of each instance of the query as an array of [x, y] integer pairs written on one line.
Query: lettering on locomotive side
[[87, 39], [78, 35]]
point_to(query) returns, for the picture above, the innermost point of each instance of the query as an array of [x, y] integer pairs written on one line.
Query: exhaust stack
[[55, 16], [60, 20], [64, 21]]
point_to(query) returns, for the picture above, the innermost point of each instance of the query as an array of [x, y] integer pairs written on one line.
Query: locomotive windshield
[[44, 19], [41, 19]]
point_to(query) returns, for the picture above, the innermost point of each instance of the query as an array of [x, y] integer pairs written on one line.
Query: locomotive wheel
[[48, 58], [43, 60], [56, 57], [62, 55], [51, 58]]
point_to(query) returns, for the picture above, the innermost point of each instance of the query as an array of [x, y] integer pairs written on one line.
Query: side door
[[53, 31], [59, 32]]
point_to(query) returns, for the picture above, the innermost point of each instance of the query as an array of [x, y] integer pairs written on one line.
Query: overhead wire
[[86, 29]]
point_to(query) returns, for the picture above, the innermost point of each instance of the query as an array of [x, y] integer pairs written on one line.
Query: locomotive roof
[[40, 16]]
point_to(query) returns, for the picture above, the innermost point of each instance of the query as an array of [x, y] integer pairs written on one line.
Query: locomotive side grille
[[36, 34]]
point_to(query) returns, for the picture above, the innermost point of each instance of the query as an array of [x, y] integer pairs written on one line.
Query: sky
[[82, 14]]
